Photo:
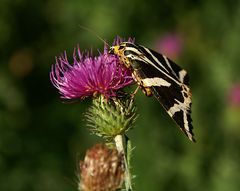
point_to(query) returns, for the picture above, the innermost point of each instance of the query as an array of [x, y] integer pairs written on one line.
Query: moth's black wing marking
[[182, 116], [168, 83]]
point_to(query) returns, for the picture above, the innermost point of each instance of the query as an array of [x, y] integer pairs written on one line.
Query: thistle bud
[[101, 170], [112, 117]]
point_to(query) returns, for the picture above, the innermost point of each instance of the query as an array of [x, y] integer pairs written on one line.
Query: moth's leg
[[145, 89], [135, 91]]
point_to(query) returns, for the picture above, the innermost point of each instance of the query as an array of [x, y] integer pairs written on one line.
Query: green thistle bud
[[110, 117]]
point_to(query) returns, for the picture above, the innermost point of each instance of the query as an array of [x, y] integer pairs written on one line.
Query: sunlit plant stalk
[[121, 146], [111, 120]]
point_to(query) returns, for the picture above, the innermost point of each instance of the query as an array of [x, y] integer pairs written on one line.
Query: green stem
[[121, 146]]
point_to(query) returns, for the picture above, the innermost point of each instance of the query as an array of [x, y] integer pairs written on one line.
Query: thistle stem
[[121, 146]]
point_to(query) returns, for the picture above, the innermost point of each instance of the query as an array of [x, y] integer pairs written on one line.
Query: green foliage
[[40, 136]]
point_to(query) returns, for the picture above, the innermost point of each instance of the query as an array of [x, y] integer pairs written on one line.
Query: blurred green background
[[42, 139]]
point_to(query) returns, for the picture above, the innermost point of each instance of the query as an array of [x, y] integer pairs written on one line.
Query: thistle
[[111, 115]]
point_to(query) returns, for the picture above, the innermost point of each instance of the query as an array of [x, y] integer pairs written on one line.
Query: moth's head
[[124, 51], [120, 51]]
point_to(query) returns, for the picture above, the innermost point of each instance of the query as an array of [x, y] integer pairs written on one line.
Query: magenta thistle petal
[[118, 40], [89, 75]]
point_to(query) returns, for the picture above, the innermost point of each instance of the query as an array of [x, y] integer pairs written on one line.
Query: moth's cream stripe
[[182, 75], [135, 50], [180, 106], [175, 108], [145, 60], [186, 126], [139, 56], [184, 107], [148, 82], [166, 60], [156, 60]]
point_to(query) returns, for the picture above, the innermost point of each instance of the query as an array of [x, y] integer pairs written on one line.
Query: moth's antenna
[[91, 31]]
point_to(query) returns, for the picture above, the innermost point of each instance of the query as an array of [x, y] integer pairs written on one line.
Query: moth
[[159, 76]]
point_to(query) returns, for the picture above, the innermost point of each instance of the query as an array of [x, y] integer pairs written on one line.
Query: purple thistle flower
[[89, 75], [170, 44], [234, 95]]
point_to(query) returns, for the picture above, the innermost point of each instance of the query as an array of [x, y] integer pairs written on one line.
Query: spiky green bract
[[110, 117]]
